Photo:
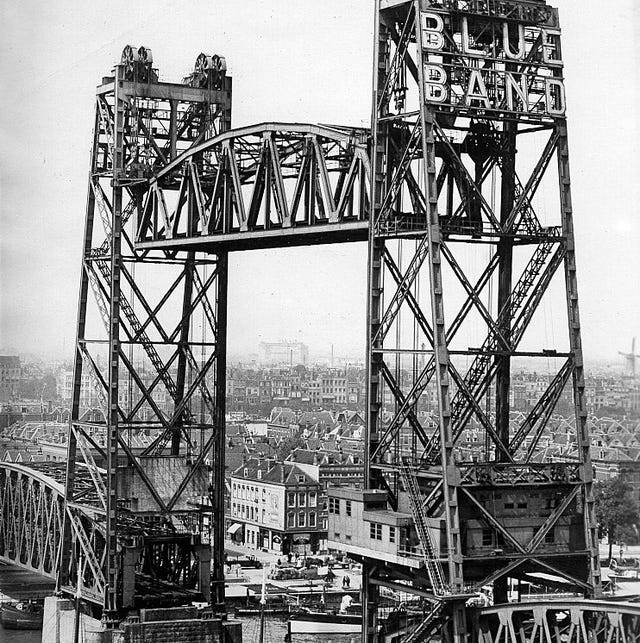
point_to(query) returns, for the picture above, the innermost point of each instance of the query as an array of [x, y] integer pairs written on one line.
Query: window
[[508, 505], [259, 474], [291, 499], [245, 472], [301, 479], [336, 535], [334, 506], [348, 507], [522, 505], [392, 534], [302, 519], [550, 536], [312, 519], [348, 538], [375, 531], [313, 499], [487, 537], [291, 519], [302, 499]]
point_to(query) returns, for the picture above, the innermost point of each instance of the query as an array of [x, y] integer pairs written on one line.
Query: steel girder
[[555, 621], [31, 525], [266, 185], [446, 182], [148, 344]]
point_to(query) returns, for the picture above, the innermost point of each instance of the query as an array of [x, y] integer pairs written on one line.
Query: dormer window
[[259, 474], [245, 472]]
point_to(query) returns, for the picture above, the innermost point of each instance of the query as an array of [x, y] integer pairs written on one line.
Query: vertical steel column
[[63, 576], [376, 245], [575, 346], [450, 473], [220, 392], [374, 304], [181, 374], [504, 251], [217, 554], [111, 599]]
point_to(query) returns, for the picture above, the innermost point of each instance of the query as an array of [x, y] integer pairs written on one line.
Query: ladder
[[431, 561]]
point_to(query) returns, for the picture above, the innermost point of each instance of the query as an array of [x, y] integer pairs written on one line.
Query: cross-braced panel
[[265, 185], [148, 350]]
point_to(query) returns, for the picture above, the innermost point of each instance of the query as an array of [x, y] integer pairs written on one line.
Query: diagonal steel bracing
[[151, 386]]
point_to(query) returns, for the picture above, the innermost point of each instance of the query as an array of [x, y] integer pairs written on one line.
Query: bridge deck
[[21, 584]]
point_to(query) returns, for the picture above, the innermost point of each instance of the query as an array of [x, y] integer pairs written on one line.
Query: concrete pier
[[167, 625], [59, 622]]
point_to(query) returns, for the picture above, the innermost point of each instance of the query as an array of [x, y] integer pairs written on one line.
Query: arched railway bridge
[[32, 508]]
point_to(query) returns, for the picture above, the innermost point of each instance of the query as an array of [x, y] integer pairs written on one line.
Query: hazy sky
[[304, 61]]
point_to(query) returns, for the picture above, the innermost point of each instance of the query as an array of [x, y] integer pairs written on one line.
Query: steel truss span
[[32, 517], [267, 185], [557, 621]]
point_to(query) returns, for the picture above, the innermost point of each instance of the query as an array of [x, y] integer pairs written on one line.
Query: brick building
[[275, 506]]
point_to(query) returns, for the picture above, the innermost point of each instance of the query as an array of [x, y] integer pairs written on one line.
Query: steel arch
[[570, 621], [256, 186], [32, 510]]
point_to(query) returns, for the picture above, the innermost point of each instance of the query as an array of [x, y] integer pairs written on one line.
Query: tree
[[616, 509]]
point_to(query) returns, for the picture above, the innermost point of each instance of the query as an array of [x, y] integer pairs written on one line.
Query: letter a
[[479, 93]]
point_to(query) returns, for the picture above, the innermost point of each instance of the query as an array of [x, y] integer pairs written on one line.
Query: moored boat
[[21, 616], [307, 622]]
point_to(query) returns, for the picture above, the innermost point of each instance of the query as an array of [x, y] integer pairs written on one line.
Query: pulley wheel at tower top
[[209, 71], [137, 63]]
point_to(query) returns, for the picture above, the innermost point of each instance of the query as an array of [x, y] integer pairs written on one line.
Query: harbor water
[[17, 636], [275, 630]]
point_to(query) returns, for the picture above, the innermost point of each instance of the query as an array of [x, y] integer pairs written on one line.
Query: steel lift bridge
[[462, 191]]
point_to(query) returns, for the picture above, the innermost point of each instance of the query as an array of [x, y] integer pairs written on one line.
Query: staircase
[[431, 560], [426, 627]]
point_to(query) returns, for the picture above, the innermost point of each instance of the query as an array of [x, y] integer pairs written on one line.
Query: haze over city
[[54, 55]]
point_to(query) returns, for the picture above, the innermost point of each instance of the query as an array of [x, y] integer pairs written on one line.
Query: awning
[[232, 530]]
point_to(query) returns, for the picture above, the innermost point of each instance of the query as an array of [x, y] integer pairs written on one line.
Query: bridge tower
[[147, 336], [471, 239]]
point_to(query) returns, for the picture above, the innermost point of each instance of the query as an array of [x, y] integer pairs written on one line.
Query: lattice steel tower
[[147, 339], [471, 222]]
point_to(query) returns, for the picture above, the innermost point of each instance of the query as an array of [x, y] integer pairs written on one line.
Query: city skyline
[[318, 295]]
